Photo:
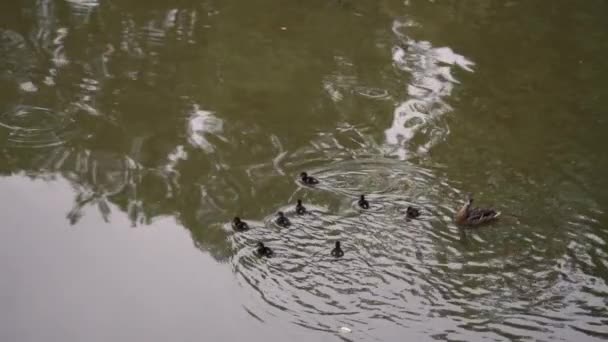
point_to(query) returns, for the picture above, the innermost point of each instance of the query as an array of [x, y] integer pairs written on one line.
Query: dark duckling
[[300, 209], [238, 225], [337, 252], [363, 203], [412, 212], [474, 216], [282, 220], [308, 180], [264, 251]]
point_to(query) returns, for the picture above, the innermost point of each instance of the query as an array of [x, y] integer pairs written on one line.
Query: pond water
[[132, 132]]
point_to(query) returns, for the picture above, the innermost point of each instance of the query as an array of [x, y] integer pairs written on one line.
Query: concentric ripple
[[422, 276], [386, 254], [34, 127]]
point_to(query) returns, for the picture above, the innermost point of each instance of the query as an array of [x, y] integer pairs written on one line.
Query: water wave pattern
[[18, 60], [95, 176], [82, 9], [34, 127], [343, 81], [516, 279], [48, 39], [417, 124], [421, 277]]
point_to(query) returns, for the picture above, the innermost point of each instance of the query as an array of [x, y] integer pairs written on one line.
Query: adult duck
[[469, 216]]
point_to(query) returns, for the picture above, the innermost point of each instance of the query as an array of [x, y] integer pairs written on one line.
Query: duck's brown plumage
[[474, 216]]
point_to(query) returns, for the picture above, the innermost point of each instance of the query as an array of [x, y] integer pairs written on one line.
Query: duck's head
[[363, 197], [299, 202], [337, 244], [236, 219], [303, 175], [462, 213], [280, 214], [260, 245]]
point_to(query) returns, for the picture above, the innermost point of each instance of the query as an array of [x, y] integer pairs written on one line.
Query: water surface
[[132, 132]]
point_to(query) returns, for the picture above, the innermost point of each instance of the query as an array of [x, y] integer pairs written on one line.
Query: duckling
[[308, 180], [238, 225], [412, 212], [363, 203], [282, 220], [264, 251], [300, 209], [337, 252], [474, 216]]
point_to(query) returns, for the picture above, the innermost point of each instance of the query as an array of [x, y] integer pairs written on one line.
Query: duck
[[337, 252], [474, 216], [264, 251], [363, 203], [308, 180], [300, 209], [282, 220], [412, 212], [238, 225]]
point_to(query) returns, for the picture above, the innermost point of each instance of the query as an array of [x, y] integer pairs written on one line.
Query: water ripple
[[374, 278], [404, 272], [30, 126]]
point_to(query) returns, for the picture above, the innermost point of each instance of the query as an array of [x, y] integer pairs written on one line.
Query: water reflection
[[201, 123], [417, 125], [206, 110]]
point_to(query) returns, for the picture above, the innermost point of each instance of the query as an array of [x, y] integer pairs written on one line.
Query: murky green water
[[131, 132]]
